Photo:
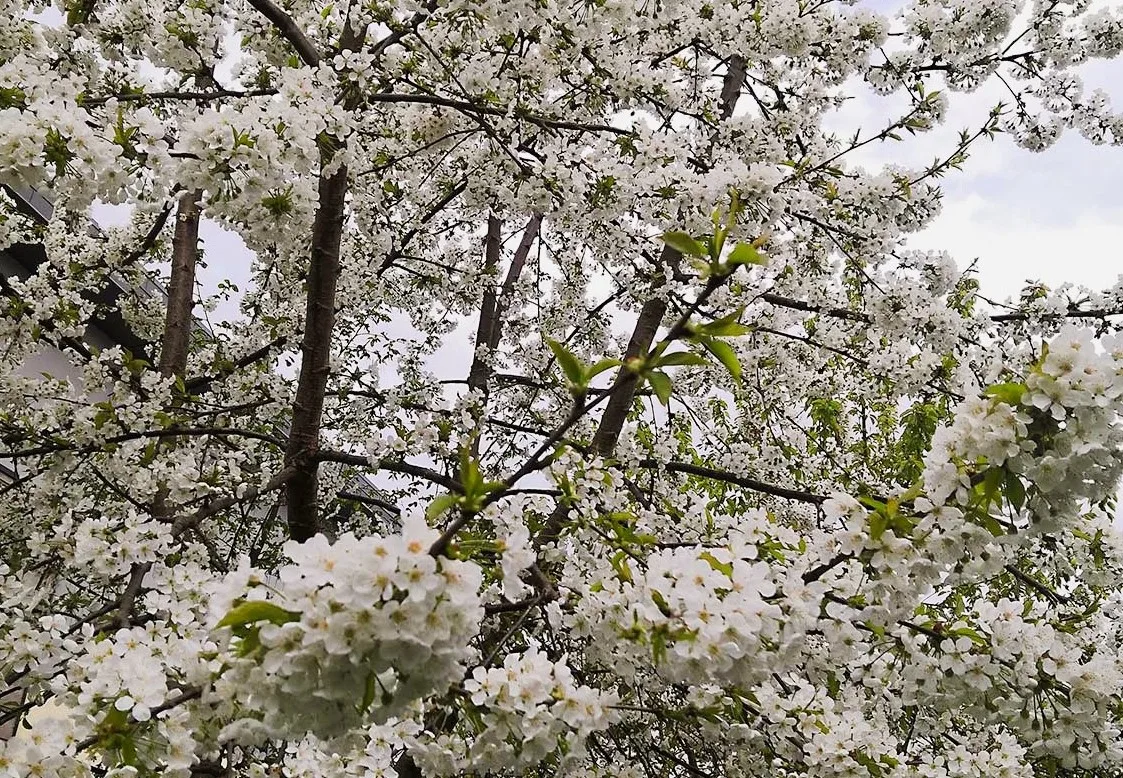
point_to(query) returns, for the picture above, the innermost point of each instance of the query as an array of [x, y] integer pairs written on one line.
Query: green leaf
[[469, 471], [127, 750], [600, 367], [992, 525], [726, 326], [619, 562], [249, 640], [746, 254], [661, 385], [370, 688], [874, 768], [735, 205], [872, 502], [684, 243], [992, 485], [722, 567], [833, 685], [571, 366], [973, 635], [1009, 393], [659, 645], [902, 525], [253, 611], [114, 722], [440, 505], [1015, 491], [680, 358], [661, 603], [724, 353], [879, 522]]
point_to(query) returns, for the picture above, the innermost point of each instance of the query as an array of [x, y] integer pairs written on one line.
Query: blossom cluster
[[520, 713], [358, 628], [701, 614], [1059, 429]]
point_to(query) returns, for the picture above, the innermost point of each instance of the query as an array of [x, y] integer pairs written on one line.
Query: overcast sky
[[1054, 216]]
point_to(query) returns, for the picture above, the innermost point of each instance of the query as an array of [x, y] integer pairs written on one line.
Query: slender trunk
[[518, 262], [302, 503], [652, 313], [174, 348], [624, 387], [493, 244], [489, 331], [315, 348], [181, 288], [647, 325]]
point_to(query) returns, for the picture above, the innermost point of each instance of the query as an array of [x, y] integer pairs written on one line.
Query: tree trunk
[[315, 349]]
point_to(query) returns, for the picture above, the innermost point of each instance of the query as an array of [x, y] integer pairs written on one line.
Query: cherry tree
[[685, 464]]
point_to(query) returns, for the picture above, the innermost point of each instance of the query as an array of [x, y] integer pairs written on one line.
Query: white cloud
[[1012, 247], [1054, 217]]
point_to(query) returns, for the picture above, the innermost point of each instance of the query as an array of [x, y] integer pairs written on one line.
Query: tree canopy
[[582, 410]]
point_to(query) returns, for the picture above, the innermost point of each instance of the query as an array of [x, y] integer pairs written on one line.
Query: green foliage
[[577, 375], [685, 244], [473, 489], [746, 254], [1009, 393], [441, 504], [918, 425], [661, 385], [117, 741], [56, 151], [724, 354], [278, 203], [254, 611], [12, 97]]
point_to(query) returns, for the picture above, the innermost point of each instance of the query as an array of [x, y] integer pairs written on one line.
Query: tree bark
[[315, 348], [624, 387], [647, 325], [174, 348], [493, 245], [518, 262], [181, 287], [652, 313], [489, 331]]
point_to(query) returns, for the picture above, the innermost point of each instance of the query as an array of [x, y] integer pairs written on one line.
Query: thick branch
[[190, 521], [201, 383], [731, 85], [198, 95], [474, 109], [1038, 586], [1071, 313], [124, 437], [624, 387], [800, 305], [150, 237], [392, 466], [437, 207], [743, 481], [653, 311], [518, 261], [489, 332], [288, 29]]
